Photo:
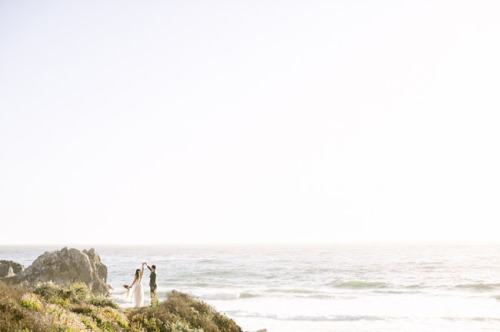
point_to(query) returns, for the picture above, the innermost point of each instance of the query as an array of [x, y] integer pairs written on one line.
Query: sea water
[[319, 288]]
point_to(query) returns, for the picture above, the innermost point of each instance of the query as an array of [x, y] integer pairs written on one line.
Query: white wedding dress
[[138, 293]]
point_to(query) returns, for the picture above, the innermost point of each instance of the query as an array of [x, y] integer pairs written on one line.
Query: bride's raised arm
[[142, 271]]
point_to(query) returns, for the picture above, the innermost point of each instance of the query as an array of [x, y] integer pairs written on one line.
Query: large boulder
[[68, 265], [10, 268]]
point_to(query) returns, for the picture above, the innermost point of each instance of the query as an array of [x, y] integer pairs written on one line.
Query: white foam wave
[[311, 318], [355, 284], [479, 286], [226, 296]]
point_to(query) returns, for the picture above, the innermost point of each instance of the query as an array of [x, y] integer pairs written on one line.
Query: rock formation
[[10, 268], [65, 266]]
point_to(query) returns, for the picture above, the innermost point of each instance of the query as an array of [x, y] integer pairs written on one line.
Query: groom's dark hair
[[153, 266]]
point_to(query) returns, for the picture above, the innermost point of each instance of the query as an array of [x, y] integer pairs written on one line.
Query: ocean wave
[[415, 286], [219, 273], [396, 292], [298, 293], [290, 291], [479, 286], [245, 295], [355, 284], [210, 261], [201, 284], [485, 319], [345, 318], [477, 319], [224, 296], [311, 318], [317, 296]]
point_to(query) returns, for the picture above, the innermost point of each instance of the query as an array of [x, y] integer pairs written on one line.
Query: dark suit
[[152, 280]]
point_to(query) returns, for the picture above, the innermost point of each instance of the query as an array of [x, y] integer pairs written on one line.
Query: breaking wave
[[354, 284], [224, 296], [479, 286], [312, 318]]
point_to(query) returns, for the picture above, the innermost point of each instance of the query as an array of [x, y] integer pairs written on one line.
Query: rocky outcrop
[[66, 266], [10, 268]]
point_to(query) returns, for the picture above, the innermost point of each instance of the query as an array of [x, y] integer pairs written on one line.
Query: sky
[[127, 122]]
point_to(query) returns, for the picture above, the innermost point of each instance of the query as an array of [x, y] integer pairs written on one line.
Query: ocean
[[319, 288]]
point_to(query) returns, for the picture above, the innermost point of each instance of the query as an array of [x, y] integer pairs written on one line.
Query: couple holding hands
[[137, 289]]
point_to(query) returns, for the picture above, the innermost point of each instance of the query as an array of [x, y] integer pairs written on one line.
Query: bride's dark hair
[[137, 273]]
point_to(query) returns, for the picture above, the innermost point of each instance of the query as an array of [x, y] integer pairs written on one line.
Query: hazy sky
[[249, 121]]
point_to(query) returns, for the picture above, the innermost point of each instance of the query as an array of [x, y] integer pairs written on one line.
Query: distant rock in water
[[68, 265], [10, 268]]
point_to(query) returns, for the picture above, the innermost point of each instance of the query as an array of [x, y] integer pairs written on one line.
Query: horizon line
[[322, 243]]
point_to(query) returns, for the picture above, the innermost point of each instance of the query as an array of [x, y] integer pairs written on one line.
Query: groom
[[152, 284]]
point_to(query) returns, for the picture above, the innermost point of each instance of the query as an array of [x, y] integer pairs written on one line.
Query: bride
[[136, 288]]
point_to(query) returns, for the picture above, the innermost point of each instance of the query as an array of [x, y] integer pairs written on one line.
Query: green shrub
[[89, 323], [49, 289], [78, 291], [64, 320], [150, 324], [75, 292], [115, 316], [103, 301], [58, 301], [14, 316], [107, 319], [31, 301], [181, 313], [57, 309], [180, 327]]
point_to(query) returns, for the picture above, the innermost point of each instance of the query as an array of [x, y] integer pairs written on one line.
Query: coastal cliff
[[10, 268], [65, 266]]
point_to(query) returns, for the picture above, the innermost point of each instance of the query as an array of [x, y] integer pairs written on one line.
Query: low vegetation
[[73, 308], [49, 307], [181, 313]]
